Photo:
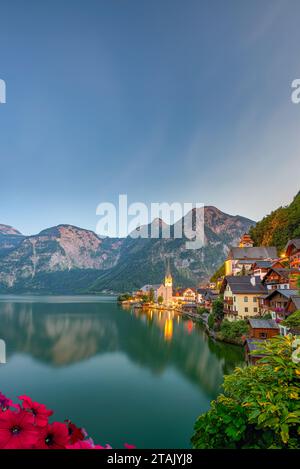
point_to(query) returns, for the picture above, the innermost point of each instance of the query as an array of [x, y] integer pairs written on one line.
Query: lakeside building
[[241, 296], [292, 251], [261, 268], [163, 290], [241, 259]]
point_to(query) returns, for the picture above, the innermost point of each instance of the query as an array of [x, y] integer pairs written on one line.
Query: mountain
[[68, 259], [143, 261], [55, 259], [8, 230], [10, 238], [279, 226]]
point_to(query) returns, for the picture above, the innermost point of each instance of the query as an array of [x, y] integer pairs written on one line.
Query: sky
[[162, 100]]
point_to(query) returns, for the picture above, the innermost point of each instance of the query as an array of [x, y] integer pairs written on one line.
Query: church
[[164, 290]]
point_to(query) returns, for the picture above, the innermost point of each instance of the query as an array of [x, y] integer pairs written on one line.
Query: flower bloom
[[53, 436], [17, 430], [75, 433], [39, 411], [5, 403]]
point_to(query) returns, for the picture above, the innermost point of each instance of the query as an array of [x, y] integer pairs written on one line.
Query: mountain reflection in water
[[62, 334]]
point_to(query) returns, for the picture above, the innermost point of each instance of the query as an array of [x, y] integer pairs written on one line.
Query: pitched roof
[[293, 242], [263, 252], [243, 284], [253, 344], [296, 300], [263, 264], [284, 292], [263, 324]]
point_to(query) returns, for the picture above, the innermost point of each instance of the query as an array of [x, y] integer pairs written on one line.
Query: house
[[263, 328], [277, 301], [188, 295], [201, 294], [240, 259], [252, 355], [261, 268], [246, 241], [292, 251], [280, 278], [209, 298], [293, 304], [241, 295]]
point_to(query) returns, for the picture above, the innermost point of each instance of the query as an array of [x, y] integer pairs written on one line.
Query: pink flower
[[5, 403], [75, 433], [53, 436], [127, 446], [17, 430], [87, 444], [40, 411]]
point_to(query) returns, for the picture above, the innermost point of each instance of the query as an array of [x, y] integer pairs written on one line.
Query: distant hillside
[[142, 261], [279, 226]]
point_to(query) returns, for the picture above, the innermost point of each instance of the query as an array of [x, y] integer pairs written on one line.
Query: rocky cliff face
[[67, 259], [59, 249]]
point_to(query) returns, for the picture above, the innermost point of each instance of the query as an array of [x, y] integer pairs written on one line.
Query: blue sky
[[163, 100]]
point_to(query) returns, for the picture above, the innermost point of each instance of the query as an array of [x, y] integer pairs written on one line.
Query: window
[[262, 335], [246, 310], [234, 298], [254, 299], [255, 310], [246, 299]]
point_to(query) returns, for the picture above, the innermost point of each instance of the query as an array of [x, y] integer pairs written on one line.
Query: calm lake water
[[125, 377]]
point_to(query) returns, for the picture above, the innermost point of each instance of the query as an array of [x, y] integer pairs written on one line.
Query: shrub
[[211, 321], [233, 330], [260, 406], [201, 310], [218, 309], [293, 321]]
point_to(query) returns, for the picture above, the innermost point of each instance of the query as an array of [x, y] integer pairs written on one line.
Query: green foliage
[[151, 295], [124, 297], [145, 298], [201, 310], [211, 321], [260, 406], [218, 309], [233, 331], [160, 300], [293, 321], [278, 227], [219, 273]]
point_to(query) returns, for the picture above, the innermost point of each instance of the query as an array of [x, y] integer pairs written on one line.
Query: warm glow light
[[168, 331]]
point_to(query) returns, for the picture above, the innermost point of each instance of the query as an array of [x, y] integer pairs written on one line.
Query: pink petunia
[[39, 411], [17, 430], [5, 403], [53, 436]]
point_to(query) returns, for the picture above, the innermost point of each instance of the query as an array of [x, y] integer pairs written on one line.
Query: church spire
[[168, 276]]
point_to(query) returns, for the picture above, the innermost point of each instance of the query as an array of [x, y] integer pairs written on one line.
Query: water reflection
[[63, 334]]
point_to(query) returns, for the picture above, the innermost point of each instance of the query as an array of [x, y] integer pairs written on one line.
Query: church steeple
[[246, 241], [168, 276]]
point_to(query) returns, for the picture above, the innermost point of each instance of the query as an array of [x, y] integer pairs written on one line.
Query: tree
[[260, 406], [211, 321], [218, 309], [233, 331], [144, 298], [293, 321], [201, 310], [151, 296], [160, 300]]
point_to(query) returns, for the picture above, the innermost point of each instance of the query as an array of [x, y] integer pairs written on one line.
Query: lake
[[139, 378]]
